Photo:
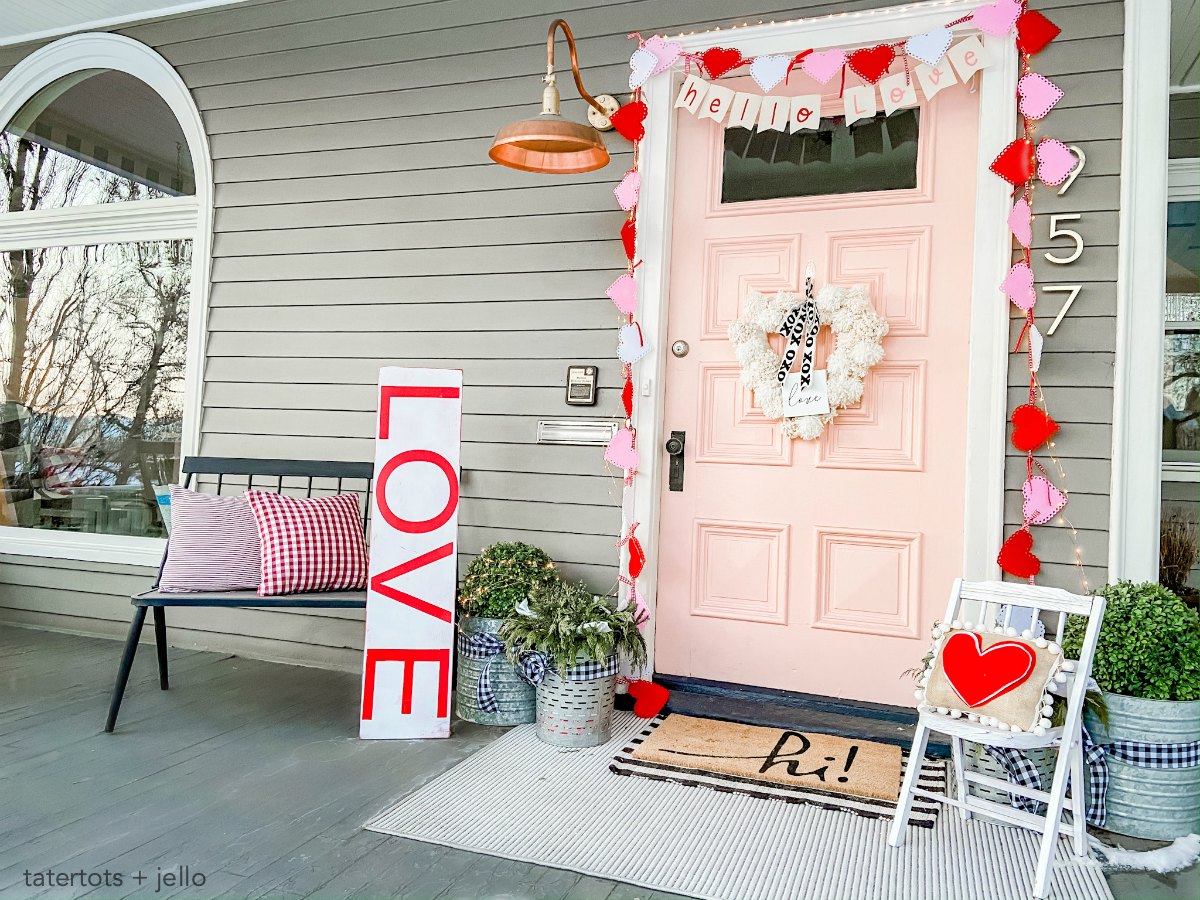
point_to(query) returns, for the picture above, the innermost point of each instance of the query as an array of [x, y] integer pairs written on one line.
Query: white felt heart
[[929, 47], [641, 67], [768, 71], [627, 502], [1035, 348], [631, 346]]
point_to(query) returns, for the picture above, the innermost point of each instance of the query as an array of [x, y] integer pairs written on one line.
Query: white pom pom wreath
[[858, 332]]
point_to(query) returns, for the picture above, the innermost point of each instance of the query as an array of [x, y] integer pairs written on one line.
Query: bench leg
[[131, 643], [160, 639]]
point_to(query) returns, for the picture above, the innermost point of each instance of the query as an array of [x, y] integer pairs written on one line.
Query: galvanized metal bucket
[[575, 713], [1162, 804], [514, 695], [977, 759]]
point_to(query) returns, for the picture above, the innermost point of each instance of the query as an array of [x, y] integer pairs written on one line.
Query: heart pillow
[[999, 680]]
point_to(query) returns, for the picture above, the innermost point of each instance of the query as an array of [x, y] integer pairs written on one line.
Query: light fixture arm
[[566, 30]]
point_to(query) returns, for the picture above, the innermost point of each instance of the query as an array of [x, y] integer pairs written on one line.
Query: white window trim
[[983, 514], [179, 217], [1183, 183], [1134, 501]]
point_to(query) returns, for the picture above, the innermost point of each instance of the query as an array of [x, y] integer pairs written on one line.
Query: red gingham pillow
[[309, 544]]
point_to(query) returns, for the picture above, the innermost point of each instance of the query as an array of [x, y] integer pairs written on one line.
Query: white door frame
[[983, 514]]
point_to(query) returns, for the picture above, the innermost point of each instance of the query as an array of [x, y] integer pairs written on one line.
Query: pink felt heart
[[1043, 501], [1038, 95], [627, 191], [620, 450], [641, 610], [822, 66], [1020, 222], [664, 52], [997, 18], [1018, 286], [623, 292], [1055, 161]]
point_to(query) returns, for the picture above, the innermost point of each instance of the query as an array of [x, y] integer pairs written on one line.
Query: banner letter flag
[[691, 93], [806, 112], [408, 650], [897, 91], [934, 78], [860, 103], [716, 103], [744, 113], [968, 57], [773, 114]]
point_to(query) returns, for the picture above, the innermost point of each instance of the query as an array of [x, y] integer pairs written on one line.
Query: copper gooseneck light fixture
[[551, 143]]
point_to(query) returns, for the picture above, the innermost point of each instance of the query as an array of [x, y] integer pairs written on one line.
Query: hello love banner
[[708, 100]]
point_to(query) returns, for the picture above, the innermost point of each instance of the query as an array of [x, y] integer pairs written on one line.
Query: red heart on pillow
[[1015, 162], [720, 60], [979, 676], [627, 398], [629, 119], [871, 63], [629, 238], [650, 698], [637, 557], [1016, 556], [1035, 31], [1032, 427]]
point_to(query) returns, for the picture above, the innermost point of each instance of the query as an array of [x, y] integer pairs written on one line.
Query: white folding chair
[[990, 603]]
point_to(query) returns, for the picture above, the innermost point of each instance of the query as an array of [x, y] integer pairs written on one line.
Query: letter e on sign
[[408, 649]]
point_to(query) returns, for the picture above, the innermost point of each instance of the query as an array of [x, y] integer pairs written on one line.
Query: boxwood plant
[[566, 621], [502, 576], [1149, 644]]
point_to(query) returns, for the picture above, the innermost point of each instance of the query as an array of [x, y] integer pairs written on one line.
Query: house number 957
[[1059, 229]]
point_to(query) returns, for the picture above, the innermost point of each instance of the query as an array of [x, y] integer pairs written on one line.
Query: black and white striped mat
[[924, 812]]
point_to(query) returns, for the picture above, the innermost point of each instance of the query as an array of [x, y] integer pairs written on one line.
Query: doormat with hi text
[[781, 764]]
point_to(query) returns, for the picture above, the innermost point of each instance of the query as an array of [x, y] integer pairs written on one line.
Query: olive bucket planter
[[514, 695], [1162, 804], [575, 713]]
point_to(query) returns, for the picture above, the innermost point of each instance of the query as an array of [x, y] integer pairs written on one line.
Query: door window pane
[[876, 154], [95, 136], [1181, 376], [93, 343]]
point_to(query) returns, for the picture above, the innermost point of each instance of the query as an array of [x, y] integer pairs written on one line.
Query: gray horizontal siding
[[358, 223]]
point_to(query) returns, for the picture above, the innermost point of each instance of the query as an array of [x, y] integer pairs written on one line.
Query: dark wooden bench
[[215, 470]]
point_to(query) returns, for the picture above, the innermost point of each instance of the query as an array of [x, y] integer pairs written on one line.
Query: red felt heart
[[1016, 556], [637, 558], [627, 398], [650, 698], [1015, 162], [1032, 427], [629, 238], [720, 60], [629, 119], [871, 63], [1035, 31], [979, 676]]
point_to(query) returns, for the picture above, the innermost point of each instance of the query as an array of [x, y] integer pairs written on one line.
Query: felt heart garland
[[720, 60], [627, 398], [1032, 427], [1015, 162], [1035, 31], [871, 63], [1016, 556], [630, 119], [629, 238]]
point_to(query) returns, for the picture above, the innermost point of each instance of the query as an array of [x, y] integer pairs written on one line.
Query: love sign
[[413, 558]]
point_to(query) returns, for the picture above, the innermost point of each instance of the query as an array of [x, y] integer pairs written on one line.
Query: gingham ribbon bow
[[1147, 756], [531, 667]]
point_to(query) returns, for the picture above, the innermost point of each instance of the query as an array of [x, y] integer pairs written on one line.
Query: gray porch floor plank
[[248, 772]]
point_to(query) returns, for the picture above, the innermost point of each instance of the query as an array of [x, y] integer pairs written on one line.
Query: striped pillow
[[213, 544], [309, 544]]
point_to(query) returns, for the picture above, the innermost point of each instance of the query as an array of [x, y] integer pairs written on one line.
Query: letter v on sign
[[379, 585]]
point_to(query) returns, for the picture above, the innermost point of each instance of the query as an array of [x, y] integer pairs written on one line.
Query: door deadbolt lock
[[680, 348]]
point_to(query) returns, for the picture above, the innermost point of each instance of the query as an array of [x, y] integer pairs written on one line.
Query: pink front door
[[818, 566]]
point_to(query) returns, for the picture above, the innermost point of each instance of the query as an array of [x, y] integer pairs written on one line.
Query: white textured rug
[[521, 799]]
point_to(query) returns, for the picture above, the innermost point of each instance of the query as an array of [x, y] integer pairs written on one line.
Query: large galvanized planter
[[514, 695], [575, 713], [977, 759], [1162, 804]]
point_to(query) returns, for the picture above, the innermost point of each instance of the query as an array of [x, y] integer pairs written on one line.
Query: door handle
[[675, 444]]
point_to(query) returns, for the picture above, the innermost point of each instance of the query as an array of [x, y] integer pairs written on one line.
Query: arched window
[[105, 224]]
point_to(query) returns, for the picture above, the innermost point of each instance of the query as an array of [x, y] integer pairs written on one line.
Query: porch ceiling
[[24, 22]]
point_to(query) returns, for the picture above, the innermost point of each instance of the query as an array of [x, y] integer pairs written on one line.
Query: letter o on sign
[[420, 526]]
